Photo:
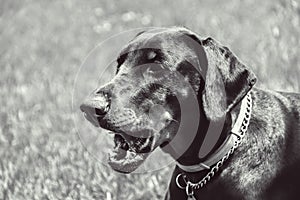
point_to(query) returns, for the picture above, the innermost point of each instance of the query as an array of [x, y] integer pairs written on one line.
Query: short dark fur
[[265, 166]]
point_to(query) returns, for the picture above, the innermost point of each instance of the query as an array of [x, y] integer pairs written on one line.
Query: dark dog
[[162, 70]]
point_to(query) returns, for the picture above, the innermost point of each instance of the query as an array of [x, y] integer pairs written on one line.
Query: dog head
[[157, 71]]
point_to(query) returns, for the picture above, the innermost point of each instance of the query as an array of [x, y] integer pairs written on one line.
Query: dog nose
[[95, 107], [94, 111]]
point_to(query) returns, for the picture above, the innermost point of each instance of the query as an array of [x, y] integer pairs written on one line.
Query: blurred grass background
[[43, 44]]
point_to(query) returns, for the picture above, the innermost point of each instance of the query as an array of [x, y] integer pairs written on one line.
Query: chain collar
[[233, 141]]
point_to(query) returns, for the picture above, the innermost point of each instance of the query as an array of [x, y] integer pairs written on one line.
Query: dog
[[167, 77]]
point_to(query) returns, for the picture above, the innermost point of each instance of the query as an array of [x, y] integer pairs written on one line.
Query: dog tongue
[[124, 157], [118, 153], [125, 161]]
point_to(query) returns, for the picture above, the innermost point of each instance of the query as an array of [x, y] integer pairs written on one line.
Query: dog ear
[[227, 80]]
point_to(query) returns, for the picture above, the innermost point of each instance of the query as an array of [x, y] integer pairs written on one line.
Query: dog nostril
[[94, 111], [100, 112]]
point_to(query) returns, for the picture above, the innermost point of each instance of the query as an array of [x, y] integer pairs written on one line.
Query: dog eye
[[154, 57], [151, 55]]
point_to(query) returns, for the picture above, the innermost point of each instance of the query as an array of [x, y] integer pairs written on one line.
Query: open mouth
[[129, 152]]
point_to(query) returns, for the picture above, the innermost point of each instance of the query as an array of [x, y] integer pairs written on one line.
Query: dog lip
[[125, 158], [135, 143]]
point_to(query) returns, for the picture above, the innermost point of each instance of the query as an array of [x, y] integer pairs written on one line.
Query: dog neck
[[190, 161]]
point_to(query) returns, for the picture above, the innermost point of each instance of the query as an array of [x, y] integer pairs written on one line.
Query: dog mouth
[[129, 152], [130, 148]]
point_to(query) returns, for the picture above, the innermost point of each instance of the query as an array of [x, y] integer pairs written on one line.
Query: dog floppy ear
[[227, 80]]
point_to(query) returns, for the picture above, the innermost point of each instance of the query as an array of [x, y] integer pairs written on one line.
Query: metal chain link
[[215, 169]]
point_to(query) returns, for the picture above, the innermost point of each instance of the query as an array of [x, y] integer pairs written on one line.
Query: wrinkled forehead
[[160, 39], [173, 44]]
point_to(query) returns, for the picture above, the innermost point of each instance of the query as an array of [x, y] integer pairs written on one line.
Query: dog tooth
[[145, 143]]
